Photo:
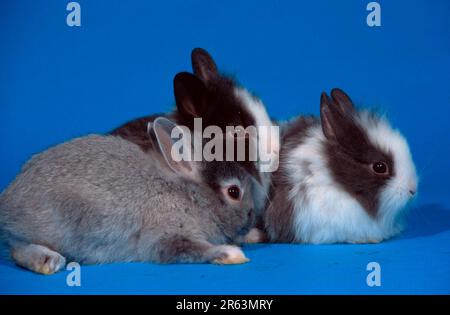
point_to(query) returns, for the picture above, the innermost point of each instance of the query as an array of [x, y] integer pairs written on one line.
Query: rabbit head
[[223, 187], [343, 178], [220, 101]]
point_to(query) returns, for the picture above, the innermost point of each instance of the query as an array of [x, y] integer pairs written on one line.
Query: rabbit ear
[[152, 135], [203, 65], [190, 94], [326, 117], [339, 124], [149, 127], [163, 129], [342, 100]]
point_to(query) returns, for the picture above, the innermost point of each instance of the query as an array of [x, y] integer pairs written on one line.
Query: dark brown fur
[[207, 95], [350, 153], [136, 131], [279, 214]]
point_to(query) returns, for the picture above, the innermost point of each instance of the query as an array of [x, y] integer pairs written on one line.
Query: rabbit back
[[96, 199]]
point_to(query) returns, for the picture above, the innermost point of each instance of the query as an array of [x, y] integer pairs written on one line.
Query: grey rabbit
[[101, 199], [220, 101]]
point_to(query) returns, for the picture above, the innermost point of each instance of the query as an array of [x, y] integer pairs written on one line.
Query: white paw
[[50, 263], [230, 255], [255, 236]]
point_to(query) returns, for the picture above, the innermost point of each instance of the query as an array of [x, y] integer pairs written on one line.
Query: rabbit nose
[[412, 188]]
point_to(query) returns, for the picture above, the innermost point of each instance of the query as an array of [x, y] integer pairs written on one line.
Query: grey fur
[[101, 199]]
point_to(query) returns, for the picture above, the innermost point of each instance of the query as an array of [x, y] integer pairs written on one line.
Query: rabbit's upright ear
[[342, 100], [203, 65], [338, 122], [164, 130], [326, 117], [190, 94]]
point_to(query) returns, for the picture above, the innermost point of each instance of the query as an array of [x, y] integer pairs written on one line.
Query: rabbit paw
[[39, 259], [255, 236], [230, 255], [50, 263]]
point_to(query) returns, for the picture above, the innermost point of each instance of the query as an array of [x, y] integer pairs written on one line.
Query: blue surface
[[58, 82]]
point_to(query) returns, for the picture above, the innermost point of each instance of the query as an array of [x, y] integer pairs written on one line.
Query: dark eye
[[380, 168], [234, 192]]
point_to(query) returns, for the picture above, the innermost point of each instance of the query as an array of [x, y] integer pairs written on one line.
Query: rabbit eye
[[234, 192], [380, 168]]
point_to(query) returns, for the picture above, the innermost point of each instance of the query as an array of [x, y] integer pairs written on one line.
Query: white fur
[[389, 140], [234, 255], [255, 235], [233, 252], [328, 214], [256, 108]]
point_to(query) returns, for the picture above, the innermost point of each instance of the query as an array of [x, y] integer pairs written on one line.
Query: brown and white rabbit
[[219, 101], [101, 199], [206, 94], [342, 178]]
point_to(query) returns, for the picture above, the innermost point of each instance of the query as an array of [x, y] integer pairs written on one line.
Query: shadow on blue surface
[[426, 221], [414, 262]]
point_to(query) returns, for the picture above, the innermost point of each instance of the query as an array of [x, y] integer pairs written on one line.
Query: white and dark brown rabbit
[[219, 101], [207, 94], [342, 178], [101, 199]]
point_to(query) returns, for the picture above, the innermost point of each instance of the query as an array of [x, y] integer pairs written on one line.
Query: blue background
[[58, 82]]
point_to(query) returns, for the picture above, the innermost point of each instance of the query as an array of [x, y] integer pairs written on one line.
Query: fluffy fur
[[100, 199], [308, 202], [257, 109], [219, 101]]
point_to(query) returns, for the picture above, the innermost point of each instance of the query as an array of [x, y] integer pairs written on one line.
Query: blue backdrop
[[58, 82]]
